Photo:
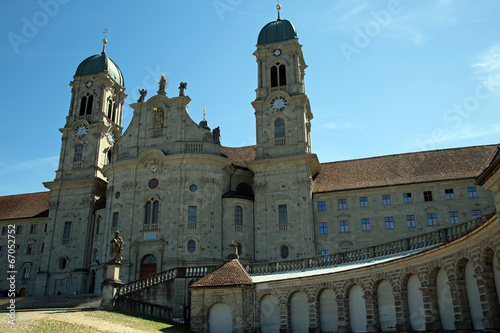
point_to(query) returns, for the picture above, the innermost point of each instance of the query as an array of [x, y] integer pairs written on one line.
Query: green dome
[[100, 63], [277, 31]]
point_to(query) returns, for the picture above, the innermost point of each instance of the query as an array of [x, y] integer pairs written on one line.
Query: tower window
[[279, 128], [86, 105], [191, 246], [282, 75], [278, 75], [110, 107], [192, 214], [78, 156]]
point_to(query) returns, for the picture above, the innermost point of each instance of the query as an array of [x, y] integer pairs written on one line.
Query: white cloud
[[34, 165], [487, 68]]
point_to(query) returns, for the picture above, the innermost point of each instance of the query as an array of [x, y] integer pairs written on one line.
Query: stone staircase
[[53, 302]]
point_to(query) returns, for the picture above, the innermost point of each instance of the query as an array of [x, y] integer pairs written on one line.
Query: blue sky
[[384, 77]]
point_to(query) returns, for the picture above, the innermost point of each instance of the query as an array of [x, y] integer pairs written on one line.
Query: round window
[[191, 246], [153, 183], [193, 188], [117, 195]]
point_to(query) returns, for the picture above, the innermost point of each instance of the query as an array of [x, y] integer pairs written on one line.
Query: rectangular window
[[2, 249], [323, 228], [192, 213], [19, 229], [346, 249], [325, 252], [431, 219], [283, 214], [363, 201], [389, 222], [427, 195], [476, 213], [321, 206], [342, 204], [31, 249], [156, 210], [33, 228], [114, 223], [4, 231], [365, 224], [407, 198], [26, 272], [410, 221], [344, 226], [472, 192], [454, 217], [45, 227], [386, 200], [67, 230], [449, 194]]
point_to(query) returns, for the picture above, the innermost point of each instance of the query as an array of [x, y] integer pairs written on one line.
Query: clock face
[[81, 131], [279, 103], [277, 52], [89, 84]]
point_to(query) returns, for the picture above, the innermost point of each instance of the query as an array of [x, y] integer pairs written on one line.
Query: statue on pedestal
[[182, 86], [162, 85], [116, 247]]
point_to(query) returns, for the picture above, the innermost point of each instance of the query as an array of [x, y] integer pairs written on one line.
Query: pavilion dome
[[100, 63], [277, 31]]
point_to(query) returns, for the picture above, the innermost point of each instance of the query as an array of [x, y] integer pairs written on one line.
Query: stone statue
[[143, 93], [116, 247], [182, 87], [216, 135], [162, 85]]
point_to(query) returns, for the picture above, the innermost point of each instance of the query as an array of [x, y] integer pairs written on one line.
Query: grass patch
[[51, 326], [138, 322]]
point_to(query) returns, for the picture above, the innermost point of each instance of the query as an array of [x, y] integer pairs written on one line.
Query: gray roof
[[100, 63], [277, 31]]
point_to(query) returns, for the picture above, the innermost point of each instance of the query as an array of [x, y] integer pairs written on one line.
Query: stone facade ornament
[[162, 85], [182, 87], [143, 93]]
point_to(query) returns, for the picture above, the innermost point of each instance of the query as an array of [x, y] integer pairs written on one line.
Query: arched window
[[285, 252], [282, 75], [238, 215], [110, 107], [86, 105], [78, 156], [278, 75], [191, 246], [274, 76], [83, 103], [151, 212], [279, 128]]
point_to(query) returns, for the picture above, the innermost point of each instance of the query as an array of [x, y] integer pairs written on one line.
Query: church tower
[[92, 127], [282, 109], [284, 165]]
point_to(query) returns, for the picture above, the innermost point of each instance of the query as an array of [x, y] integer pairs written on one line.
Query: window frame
[[407, 198], [389, 222], [386, 199], [344, 226], [323, 228], [363, 202], [410, 221]]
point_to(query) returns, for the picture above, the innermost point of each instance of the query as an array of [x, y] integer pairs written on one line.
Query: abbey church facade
[[178, 197]]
